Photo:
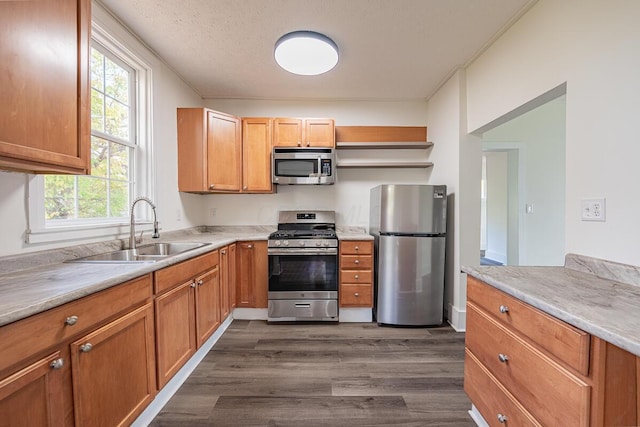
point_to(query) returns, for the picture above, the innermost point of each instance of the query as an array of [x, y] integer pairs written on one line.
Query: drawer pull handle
[[504, 309], [57, 364], [357, 261], [86, 348], [71, 320], [357, 276], [503, 358], [357, 294], [303, 305], [502, 418]]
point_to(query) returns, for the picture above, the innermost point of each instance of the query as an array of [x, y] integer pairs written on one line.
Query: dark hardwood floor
[[325, 374]]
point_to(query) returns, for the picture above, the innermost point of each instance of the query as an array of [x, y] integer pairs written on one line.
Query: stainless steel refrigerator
[[409, 224]]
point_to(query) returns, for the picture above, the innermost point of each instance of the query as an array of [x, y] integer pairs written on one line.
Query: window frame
[[142, 164]]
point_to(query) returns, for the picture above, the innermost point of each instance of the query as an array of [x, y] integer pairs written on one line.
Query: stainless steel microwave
[[303, 165]]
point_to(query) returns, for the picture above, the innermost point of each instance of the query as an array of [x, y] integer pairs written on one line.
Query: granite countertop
[[599, 297], [35, 282]]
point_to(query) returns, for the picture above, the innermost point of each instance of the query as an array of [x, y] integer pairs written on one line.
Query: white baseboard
[[180, 377], [355, 315], [250, 313], [477, 418], [457, 318]]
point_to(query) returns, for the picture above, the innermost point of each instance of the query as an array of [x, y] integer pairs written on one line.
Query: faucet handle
[[139, 239]]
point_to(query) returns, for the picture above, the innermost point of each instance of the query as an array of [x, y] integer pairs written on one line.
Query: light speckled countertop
[[599, 297], [35, 282]]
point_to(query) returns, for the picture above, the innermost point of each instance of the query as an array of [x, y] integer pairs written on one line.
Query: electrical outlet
[[593, 209]]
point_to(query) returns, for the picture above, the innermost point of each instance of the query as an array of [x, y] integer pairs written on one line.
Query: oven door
[[303, 273]]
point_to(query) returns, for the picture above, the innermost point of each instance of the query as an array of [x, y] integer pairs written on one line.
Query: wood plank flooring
[[325, 374]]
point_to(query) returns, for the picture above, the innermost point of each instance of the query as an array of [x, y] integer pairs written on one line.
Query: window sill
[[83, 232]]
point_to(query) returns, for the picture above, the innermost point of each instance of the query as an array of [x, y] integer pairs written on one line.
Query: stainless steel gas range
[[303, 267]]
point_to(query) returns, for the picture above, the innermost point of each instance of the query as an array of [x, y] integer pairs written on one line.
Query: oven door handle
[[310, 251]]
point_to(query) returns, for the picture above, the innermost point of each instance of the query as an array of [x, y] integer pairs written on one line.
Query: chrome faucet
[[132, 231]]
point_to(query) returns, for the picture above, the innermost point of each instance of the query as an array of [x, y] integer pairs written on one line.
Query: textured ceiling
[[390, 49]]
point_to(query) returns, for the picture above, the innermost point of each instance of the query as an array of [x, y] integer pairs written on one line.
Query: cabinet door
[[256, 155], [113, 370], [207, 304], [34, 396], [44, 86], [253, 277], [225, 305], [319, 133], [175, 330], [287, 132], [224, 152], [232, 278]]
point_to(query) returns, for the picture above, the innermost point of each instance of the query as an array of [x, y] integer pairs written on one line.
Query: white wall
[[497, 200], [540, 134], [592, 45], [169, 92], [350, 196]]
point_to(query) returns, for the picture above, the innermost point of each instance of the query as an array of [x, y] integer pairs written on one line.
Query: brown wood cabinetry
[[209, 151], [524, 367], [44, 86], [257, 135], [227, 280], [296, 132], [356, 273], [40, 353], [113, 370], [187, 310], [252, 274]]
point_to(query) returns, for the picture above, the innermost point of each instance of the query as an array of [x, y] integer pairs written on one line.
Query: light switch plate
[[593, 209]]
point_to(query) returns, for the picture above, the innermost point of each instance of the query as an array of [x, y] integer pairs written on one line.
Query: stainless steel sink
[[146, 253]]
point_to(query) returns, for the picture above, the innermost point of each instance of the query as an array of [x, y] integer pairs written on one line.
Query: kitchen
[[561, 45]]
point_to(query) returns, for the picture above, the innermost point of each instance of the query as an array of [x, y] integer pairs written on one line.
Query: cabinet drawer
[[30, 336], [356, 262], [563, 341], [551, 393], [356, 295], [492, 400], [170, 277], [355, 276], [356, 247]]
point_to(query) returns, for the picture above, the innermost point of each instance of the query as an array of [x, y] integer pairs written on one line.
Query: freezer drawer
[[409, 283]]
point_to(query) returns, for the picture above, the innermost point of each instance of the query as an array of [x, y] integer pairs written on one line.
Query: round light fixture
[[306, 53]]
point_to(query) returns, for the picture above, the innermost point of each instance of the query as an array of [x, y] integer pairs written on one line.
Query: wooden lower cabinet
[[113, 370], [207, 305], [252, 270], [35, 395], [356, 273], [227, 280], [524, 367]]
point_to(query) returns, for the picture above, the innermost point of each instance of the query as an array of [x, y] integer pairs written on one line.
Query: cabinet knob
[[193, 284], [356, 276], [504, 309], [357, 248], [308, 144], [245, 187], [200, 282], [356, 294], [503, 358], [57, 364], [223, 252], [86, 348], [212, 186], [71, 320], [356, 261], [502, 418], [250, 246]]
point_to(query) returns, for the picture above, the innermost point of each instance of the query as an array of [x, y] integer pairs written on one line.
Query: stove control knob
[[326, 243], [278, 242], [302, 243], [286, 243], [318, 243]]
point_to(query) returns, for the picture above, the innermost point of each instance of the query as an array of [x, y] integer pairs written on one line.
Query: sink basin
[[151, 252]]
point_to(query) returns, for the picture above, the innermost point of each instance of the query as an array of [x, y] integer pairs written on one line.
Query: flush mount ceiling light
[[306, 53]]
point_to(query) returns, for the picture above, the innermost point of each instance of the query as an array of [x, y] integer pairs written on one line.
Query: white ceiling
[[389, 49]]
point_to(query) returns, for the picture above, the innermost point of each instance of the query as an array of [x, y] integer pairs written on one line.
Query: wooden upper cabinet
[[294, 132], [209, 151], [44, 86], [257, 135]]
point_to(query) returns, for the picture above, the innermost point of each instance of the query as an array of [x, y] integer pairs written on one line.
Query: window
[[68, 207], [106, 193]]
